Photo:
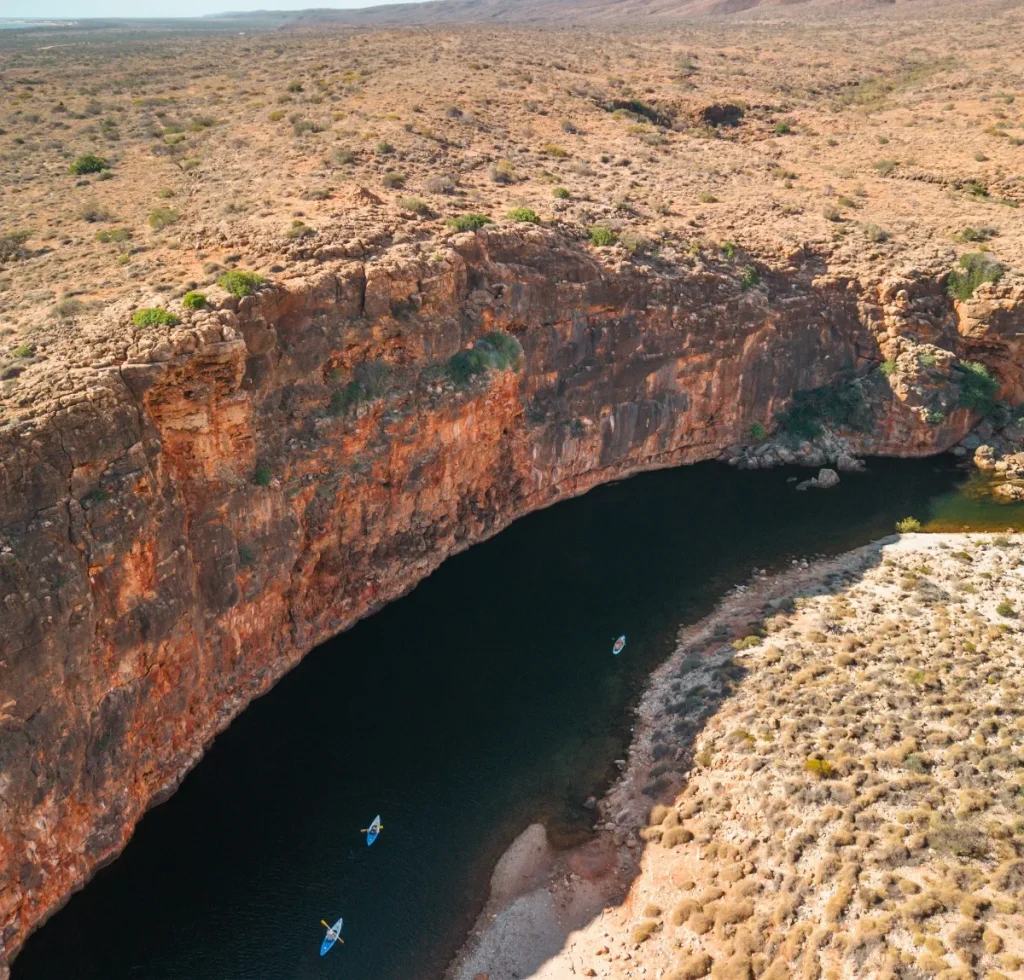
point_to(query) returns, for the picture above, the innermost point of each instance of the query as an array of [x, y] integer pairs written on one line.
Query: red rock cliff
[[182, 522]]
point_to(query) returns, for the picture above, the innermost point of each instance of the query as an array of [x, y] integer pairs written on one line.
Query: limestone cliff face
[[176, 534]]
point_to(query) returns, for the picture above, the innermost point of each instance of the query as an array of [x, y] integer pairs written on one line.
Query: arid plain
[[881, 140]]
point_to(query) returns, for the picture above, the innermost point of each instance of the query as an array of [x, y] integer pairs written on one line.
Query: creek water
[[484, 700]]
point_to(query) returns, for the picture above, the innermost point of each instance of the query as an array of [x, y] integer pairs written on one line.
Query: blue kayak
[[333, 934], [620, 645], [374, 830]]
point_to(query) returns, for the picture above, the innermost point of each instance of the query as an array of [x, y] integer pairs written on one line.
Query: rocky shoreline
[[820, 782]]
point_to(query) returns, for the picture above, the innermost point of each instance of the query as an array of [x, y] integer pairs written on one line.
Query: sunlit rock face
[[178, 528]]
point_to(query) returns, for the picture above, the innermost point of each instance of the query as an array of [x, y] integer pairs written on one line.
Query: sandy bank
[[824, 782]]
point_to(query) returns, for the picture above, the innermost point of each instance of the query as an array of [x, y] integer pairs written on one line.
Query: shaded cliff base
[[825, 782]]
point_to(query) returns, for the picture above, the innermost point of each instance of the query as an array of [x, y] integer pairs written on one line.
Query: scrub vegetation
[[753, 147], [849, 788]]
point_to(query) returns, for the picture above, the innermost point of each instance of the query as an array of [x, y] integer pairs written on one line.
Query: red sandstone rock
[[179, 526]]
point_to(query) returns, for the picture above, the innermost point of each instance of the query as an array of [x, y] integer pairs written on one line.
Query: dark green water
[[482, 701]]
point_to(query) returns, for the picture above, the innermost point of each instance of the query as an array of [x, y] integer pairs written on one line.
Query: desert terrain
[[289, 316], [878, 141]]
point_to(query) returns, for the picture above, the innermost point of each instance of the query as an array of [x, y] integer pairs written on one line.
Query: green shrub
[[888, 368], [758, 432], [706, 197], [562, 193], [393, 179], [885, 167], [152, 316], [749, 278], [602, 236], [23, 350], [728, 249], [369, 382], [161, 218], [524, 214], [89, 163], [783, 128], [384, 148], [468, 222], [193, 300], [240, 283], [262, 476], [978, 267], [977, 387], [246, 556], [1005, 608], [908, 525], [496, 350], [838, 405], [299, 229]]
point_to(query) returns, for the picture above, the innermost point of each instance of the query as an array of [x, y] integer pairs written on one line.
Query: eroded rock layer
[[180, 523]]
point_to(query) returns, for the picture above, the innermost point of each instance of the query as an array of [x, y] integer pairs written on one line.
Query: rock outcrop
[[185, 516]]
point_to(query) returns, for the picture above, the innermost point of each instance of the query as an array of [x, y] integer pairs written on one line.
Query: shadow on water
[[485, 699]]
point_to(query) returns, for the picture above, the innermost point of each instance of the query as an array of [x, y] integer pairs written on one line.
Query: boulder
[[985, 457], [849, 464], [1009, 492], [825, 480]]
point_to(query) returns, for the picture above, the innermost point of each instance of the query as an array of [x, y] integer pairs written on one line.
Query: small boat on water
[[333, 936], [373, 831], [620, 645]]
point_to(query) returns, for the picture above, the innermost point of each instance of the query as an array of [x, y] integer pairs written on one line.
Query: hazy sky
[[69, 9]]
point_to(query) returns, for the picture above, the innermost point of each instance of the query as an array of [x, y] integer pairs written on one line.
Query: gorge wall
[[184, 519]]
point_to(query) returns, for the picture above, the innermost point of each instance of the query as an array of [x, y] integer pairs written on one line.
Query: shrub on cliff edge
[[468, 222], [240, 283], [977, 387], [524, 215], [153, 316], [978, 267]]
